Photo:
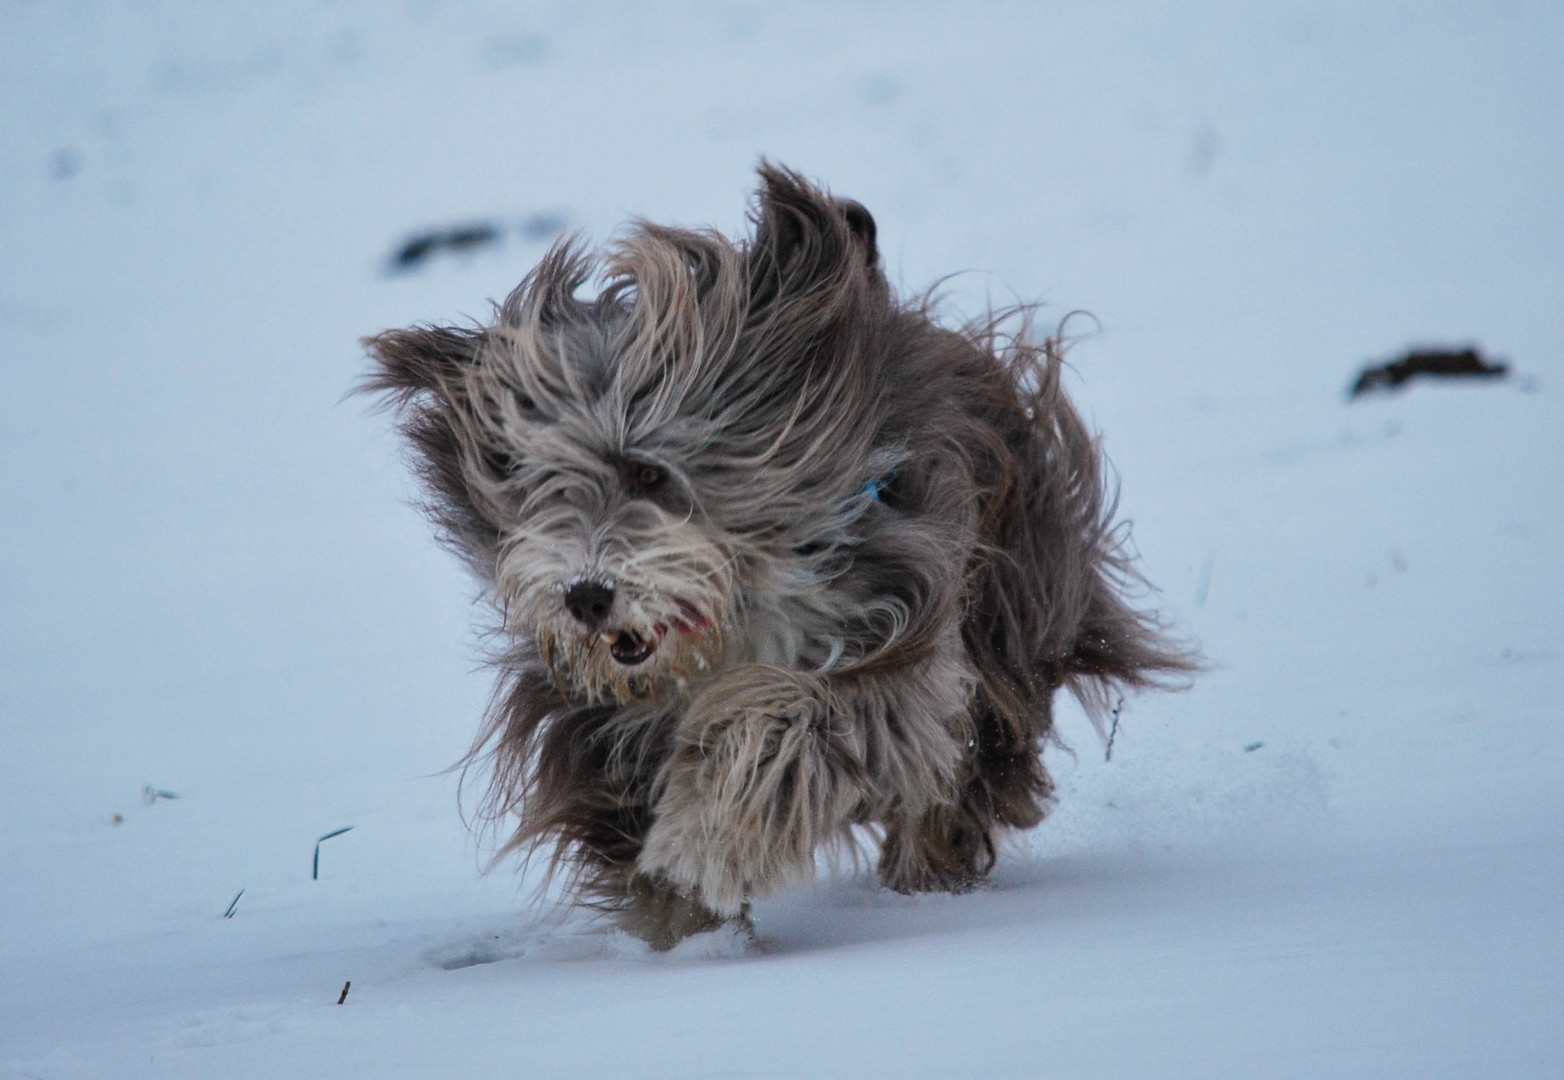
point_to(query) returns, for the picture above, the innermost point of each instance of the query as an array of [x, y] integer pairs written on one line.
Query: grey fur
[[862, 550]]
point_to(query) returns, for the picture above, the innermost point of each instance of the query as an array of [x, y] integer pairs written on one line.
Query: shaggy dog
[[774, 554]]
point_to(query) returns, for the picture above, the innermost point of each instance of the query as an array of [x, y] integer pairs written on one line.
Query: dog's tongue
[[693, 622]]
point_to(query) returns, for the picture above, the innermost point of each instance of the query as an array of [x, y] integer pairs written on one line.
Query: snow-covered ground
[[1339, 854]]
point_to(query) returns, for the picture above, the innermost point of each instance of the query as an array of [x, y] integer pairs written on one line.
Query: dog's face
[[608, 557], [628, 473]]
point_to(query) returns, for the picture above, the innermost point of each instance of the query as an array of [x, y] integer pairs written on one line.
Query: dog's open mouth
[[629, 648]]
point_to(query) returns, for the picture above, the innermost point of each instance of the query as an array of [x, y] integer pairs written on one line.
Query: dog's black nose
[[589, 602]]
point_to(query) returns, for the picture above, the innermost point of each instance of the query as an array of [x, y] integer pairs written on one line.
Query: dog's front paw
[[693, 856], [662, 916], [758, 777]]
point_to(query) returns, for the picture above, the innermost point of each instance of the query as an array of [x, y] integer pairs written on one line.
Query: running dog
[[772, 554]]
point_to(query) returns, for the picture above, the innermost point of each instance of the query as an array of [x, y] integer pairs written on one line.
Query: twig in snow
[[150, 795], [1431, 361], [420, 246], [1203, 589], [344, 996], [230, 912], [315, 873], [1113, 731]]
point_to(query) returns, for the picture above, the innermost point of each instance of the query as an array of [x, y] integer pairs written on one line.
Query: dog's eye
[[645, 478], [500, 463]]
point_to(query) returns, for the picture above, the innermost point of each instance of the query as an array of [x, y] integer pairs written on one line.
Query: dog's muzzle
[[590, 603]]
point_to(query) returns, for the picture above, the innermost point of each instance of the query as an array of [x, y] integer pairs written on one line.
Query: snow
[[1338, 854]]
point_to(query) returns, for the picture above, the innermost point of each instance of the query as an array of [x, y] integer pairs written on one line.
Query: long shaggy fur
[[774, 554]]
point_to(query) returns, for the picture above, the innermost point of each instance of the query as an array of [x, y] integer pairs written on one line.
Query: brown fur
[[849, 554]]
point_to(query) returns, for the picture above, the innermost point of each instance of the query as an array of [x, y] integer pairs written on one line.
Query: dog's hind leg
[[952, 845]]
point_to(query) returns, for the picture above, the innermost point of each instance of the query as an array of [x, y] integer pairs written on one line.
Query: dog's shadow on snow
[[568, 936], [842, 911], [850, 911]]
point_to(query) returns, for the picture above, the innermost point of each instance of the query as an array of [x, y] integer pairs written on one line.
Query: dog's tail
[[1052, 597]]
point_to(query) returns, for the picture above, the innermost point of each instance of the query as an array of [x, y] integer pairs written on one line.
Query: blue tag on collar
[[875, 486]]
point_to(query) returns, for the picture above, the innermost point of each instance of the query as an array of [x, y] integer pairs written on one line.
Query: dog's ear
[[861, 222], [805, 239], [419, 359], [420, 373]]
